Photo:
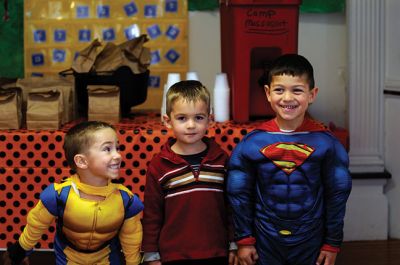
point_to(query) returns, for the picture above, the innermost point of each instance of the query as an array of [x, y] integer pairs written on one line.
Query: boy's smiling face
[[290, 97]]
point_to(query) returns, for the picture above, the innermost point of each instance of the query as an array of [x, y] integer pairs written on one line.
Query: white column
[[366, 37]]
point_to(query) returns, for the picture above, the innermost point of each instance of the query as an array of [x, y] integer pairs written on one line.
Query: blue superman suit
[[288, 190]]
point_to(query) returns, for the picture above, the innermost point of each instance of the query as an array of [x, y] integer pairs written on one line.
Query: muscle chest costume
[[185, 213], [290, 186], [88, 232]]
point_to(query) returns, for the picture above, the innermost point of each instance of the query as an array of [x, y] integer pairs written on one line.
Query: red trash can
[[253, 33]]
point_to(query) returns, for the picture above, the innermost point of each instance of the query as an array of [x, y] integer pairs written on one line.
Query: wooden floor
[[352, 253], [370, 253]]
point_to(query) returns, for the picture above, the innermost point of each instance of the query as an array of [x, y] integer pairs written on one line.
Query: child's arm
[[130, 236], [153, 214], [337, 187], [240, 190], [38, 221]]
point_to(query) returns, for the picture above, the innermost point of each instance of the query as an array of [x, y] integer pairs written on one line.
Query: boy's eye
[[278, 90], [298, 90], [200, 118], [180, 118], [107, 149]]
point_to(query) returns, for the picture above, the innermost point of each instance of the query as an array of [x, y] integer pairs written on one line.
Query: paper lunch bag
[[44, 109], [104, 104], [10, 108]]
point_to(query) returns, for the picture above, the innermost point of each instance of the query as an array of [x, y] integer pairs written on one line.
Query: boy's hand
[[326, 258], [233, 258], [247, 255], [5, 259]]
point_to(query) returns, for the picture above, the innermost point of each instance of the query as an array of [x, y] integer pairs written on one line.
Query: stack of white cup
[[171, 79], [221, 98]]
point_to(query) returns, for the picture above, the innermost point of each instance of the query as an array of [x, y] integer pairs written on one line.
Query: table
[[31, 160]]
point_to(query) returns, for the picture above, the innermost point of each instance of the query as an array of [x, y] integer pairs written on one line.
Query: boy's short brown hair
[[188, 90], [293, 65], [79, 138]]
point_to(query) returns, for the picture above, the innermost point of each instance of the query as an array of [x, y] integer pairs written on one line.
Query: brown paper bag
[[110, 58], [44, 109], [104, 104], [64, 85], [135, 55], [10, 108], [86, 58]]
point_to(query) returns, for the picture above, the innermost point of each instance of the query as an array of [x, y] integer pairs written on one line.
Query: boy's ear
[[267, 92], [167, 121], [313, 94], [81, 161]]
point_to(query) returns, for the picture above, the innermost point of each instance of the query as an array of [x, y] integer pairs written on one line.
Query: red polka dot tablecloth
[[31, 160]]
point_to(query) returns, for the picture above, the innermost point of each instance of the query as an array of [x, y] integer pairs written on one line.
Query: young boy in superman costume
[[288, 181], [95, 218]]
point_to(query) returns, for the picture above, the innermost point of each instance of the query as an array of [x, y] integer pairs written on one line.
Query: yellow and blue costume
[[88, 232]]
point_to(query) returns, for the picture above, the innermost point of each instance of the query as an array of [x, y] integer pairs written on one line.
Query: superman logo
[[287, 156]]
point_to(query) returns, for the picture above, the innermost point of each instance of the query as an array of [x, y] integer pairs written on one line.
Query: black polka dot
[[9, 195], [9, 212], [136, 147], [44, 237], [16, 138], [51, 229], [59, 155], [58, 138], [128, 172], [122, 147], [135, 164], [9, 146], [129, 139], [23, 195], [52, 146], [31, 154], [149, 148], [36, 196], [30, 171], [122, 132], [52, 163], [23, 146], [30, 187], [15, 237], [9, 179], [143, 172], [45, 138], [9, 228], [23, 212], [58, 171], [156, 139], [45, 155], [224, 139], [23, 179], [2, 154], [129, 156], [142, 139], [141, 188], [2, 220], [9, 162], [135, 180], [16, 203], [2, 187], [16, 187], [122, 164], [16, 220], [243, 131], [236, 140], [16, 171], [51, 179], [2, 204], [38, 179], [37, 163], [30, 204], [2, 138], [16, 154], [218, 131], [30, 138]]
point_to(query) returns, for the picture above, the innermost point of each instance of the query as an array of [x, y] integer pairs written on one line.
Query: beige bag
[[86, 58], [10, 108], [110, 59], [44, 109], [64, 85], [103, 103]]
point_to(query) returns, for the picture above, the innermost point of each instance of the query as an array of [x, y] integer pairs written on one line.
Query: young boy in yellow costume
[[95, 218]]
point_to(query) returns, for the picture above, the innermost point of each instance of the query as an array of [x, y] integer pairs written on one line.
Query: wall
[[392, 111], [322, 39]]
